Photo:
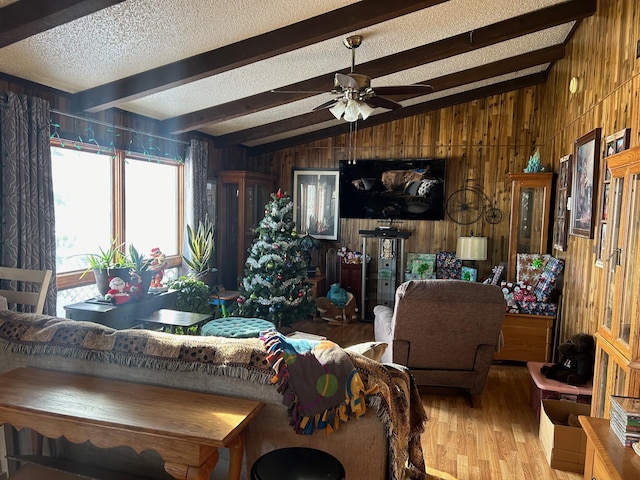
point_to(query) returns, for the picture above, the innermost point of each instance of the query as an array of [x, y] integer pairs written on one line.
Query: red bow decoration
[[280, 195]]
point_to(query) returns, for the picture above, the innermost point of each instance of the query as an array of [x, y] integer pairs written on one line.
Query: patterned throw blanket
[[394, 397], [319, 384]]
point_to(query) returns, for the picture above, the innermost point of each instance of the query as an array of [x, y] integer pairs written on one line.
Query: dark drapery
[[195, 195], [27, 224]]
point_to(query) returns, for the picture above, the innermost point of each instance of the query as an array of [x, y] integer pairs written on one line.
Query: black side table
[[127, 315]]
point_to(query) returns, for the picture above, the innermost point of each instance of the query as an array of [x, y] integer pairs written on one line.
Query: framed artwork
[[584, 172], [613, 144], [315, 203], [617, 142], [563, 195]]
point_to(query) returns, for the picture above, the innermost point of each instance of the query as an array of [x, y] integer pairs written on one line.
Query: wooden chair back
[[35, 299]]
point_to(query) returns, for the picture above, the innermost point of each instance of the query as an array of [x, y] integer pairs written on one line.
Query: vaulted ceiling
[[212, 65]]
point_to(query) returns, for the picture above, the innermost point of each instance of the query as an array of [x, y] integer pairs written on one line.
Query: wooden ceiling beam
[[26, 18], [417, 109], [462, 43], [301, 34], [483, 72]]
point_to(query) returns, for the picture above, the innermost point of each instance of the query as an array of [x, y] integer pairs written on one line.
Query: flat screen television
[[393, 189]]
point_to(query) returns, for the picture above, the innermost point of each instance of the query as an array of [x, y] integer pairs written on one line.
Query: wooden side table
[[318, 286], [112, 413], [527, 338], [606, 457]]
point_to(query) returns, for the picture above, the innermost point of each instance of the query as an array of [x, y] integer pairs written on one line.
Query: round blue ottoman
[[297, 463], [236, 327]]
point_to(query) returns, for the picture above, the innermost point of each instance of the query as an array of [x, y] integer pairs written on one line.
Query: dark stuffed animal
[[576, 361]]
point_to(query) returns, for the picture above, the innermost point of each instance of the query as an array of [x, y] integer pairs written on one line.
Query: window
[[99, 197]]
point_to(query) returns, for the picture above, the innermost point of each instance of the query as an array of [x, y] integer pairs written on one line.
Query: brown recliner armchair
[[445, 331]]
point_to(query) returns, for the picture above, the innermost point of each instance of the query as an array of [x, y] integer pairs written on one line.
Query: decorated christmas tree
[[274, 286]]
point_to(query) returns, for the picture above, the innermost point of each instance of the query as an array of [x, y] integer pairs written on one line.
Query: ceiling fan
[[355, 96]]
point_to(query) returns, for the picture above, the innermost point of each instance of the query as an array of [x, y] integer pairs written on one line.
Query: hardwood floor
[[496, 439]]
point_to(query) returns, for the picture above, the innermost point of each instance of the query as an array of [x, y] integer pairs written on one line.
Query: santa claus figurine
[[117, 293]]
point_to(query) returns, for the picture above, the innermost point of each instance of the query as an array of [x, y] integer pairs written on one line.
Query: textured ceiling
[[207, 71]]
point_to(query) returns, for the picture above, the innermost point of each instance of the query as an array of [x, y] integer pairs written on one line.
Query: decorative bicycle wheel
[[493, 215], [465, 206]]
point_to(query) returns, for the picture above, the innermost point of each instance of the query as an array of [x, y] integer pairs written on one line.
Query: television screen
[[392, 189]]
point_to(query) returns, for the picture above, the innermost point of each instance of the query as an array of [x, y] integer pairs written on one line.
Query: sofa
[[375, 446], [444, 331]]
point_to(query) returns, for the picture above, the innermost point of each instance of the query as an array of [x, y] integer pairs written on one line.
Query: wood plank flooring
[[497, 439]]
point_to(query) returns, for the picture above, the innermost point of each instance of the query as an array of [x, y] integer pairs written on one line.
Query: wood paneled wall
[[485, 139], [602, 55], [482, 141]]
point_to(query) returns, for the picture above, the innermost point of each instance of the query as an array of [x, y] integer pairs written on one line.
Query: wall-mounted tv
[[392, 189]]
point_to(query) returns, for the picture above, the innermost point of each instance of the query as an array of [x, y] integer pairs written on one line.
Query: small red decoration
[[279, 194]]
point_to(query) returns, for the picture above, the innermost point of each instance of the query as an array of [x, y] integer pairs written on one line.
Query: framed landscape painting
[[586, 156]]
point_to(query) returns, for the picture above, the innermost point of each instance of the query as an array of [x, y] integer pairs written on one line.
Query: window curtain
[[195, 189], [27, 223]]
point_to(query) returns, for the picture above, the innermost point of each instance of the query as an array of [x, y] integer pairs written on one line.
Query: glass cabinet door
[[628, 301], [530, 210], [612, 257], [617, 368]]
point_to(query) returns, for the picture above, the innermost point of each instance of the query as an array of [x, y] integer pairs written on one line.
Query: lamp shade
[[472, 248]]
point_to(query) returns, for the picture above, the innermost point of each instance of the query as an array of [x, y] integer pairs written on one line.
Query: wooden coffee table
[[186, 428]]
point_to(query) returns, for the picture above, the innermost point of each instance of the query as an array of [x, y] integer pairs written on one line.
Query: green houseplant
[[110, 262], [193, 294], [141, 266], [201, 247]]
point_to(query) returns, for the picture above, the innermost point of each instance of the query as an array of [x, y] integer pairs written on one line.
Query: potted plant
[[107, 264], [193, 294], [141, 268], [201, 246]]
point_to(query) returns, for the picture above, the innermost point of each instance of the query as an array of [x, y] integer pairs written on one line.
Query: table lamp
[[472, 248]]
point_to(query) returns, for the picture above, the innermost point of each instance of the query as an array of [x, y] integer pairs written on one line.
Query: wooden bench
[[543, 388], [185, 428]]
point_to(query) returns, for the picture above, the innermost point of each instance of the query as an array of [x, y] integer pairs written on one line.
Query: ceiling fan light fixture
[[352, 111], [338, 109], [365, 110]]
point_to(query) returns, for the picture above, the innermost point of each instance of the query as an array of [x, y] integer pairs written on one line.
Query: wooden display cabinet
[[351, 281], [530, 215], [242, 196], [617, 364]]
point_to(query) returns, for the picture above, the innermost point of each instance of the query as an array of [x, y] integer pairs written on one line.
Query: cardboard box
[[563, 446]]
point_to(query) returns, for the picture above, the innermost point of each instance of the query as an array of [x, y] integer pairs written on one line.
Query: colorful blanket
[[319, 384]]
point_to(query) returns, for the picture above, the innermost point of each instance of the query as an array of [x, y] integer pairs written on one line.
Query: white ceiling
[[126, 38]]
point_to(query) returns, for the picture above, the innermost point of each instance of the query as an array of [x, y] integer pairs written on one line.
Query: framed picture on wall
[[584, 172], [563, 194], [613, 144], [315, 203]]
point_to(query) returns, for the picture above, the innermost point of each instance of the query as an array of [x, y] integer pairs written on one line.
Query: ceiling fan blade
[[404, 90], [328, 104], [299, 91], [377, 101], [345, 81]]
